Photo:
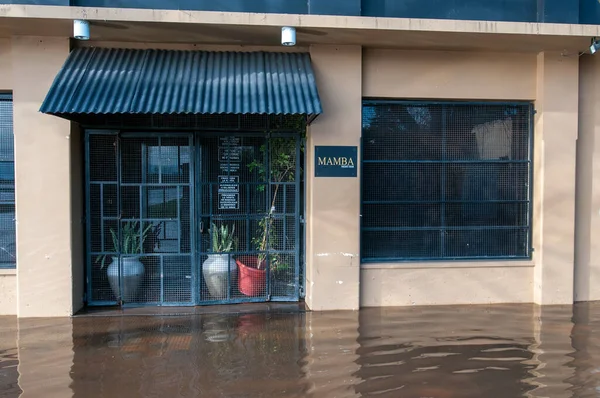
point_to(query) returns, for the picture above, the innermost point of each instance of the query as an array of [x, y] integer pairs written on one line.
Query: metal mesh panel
[[249, 190], [140, 206], [8, 253], [445, 180], [220, 223], [102, 214]]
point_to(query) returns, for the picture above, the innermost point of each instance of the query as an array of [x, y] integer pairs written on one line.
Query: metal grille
[[139, 230], [204, 218], [446, 180], [249, 189], [8, 252]]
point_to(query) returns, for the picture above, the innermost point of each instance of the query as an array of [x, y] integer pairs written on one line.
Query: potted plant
[[220, 268], [252, 269], [131, 270]]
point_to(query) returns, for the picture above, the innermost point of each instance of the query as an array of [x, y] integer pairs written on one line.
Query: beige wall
[[441, 286], [48, 156], [448, 75], [550, 79], [587, 232], [556, 128], [43, 187], [8, 278], [333, 204], [8, 292], [5, 65]]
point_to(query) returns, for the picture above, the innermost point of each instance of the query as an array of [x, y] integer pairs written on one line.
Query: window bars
[[446, 180], [8, 254]]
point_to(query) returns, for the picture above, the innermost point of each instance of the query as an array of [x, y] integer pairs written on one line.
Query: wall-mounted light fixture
[[595, 45], [81, 29], [288, 36]]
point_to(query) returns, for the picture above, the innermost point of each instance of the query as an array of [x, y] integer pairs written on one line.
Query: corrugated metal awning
[[101, 81]]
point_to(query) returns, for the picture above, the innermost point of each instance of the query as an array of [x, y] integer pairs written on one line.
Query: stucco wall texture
[[566, 227]]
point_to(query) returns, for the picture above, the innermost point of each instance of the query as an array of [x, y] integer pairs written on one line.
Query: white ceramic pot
[[132, 272], [217, 269]]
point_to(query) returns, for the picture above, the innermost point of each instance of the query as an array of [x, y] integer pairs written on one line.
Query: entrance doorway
[[193, 218]]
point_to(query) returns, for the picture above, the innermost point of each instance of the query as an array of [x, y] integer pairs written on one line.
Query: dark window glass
[[445, 181], [8, 254]]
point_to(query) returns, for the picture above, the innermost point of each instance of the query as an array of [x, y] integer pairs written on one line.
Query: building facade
[[401, 153]]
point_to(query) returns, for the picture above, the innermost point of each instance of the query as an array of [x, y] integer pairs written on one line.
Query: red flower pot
[[251, 281]]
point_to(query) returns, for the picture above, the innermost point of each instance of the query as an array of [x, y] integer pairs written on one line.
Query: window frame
[[455, 259], [8, 97]]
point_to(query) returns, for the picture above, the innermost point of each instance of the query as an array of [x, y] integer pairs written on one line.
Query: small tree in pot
[[131, 270], [220, 267], [282, 162]]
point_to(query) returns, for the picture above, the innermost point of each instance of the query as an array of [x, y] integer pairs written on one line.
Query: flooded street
[[460, 351]]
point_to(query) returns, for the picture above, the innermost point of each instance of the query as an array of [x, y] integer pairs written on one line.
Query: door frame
[[195, 196], [298, 211]]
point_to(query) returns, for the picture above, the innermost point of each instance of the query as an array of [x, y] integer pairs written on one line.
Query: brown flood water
[[440, 352]]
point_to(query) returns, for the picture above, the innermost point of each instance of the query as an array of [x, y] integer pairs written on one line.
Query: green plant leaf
[[115, 240]]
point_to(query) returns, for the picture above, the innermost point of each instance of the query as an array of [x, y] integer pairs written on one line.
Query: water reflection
[[460, 351], [446, 352], [9, 358]]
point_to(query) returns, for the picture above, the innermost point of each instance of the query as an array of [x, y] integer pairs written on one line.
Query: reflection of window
[[172, 161], [445, 181], [7, 185]]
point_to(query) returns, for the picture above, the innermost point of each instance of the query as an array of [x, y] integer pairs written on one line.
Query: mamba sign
[[335, 161], [339, 161]]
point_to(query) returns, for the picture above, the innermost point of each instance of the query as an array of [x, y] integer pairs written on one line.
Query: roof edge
[[298, 20], [105, 82]]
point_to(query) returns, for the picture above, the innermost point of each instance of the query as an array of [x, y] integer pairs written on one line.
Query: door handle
[[202, 225]]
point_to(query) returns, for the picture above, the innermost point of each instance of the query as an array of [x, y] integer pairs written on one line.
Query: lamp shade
[[81, 29]]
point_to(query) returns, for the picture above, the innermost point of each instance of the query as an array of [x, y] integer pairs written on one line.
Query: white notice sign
[[229, 201], [229, 183]]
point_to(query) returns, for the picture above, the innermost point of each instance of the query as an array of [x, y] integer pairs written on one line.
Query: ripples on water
[[9, 359], [460, 351]]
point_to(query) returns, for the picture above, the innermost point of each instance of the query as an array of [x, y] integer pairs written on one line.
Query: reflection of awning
[[98, 81]]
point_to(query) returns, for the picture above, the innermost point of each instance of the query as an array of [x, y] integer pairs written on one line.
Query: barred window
[[8, 254], [446, 180]]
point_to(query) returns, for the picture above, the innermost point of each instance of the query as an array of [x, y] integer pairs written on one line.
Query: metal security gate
[[187, 219], [139, 207], [249, 213]]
